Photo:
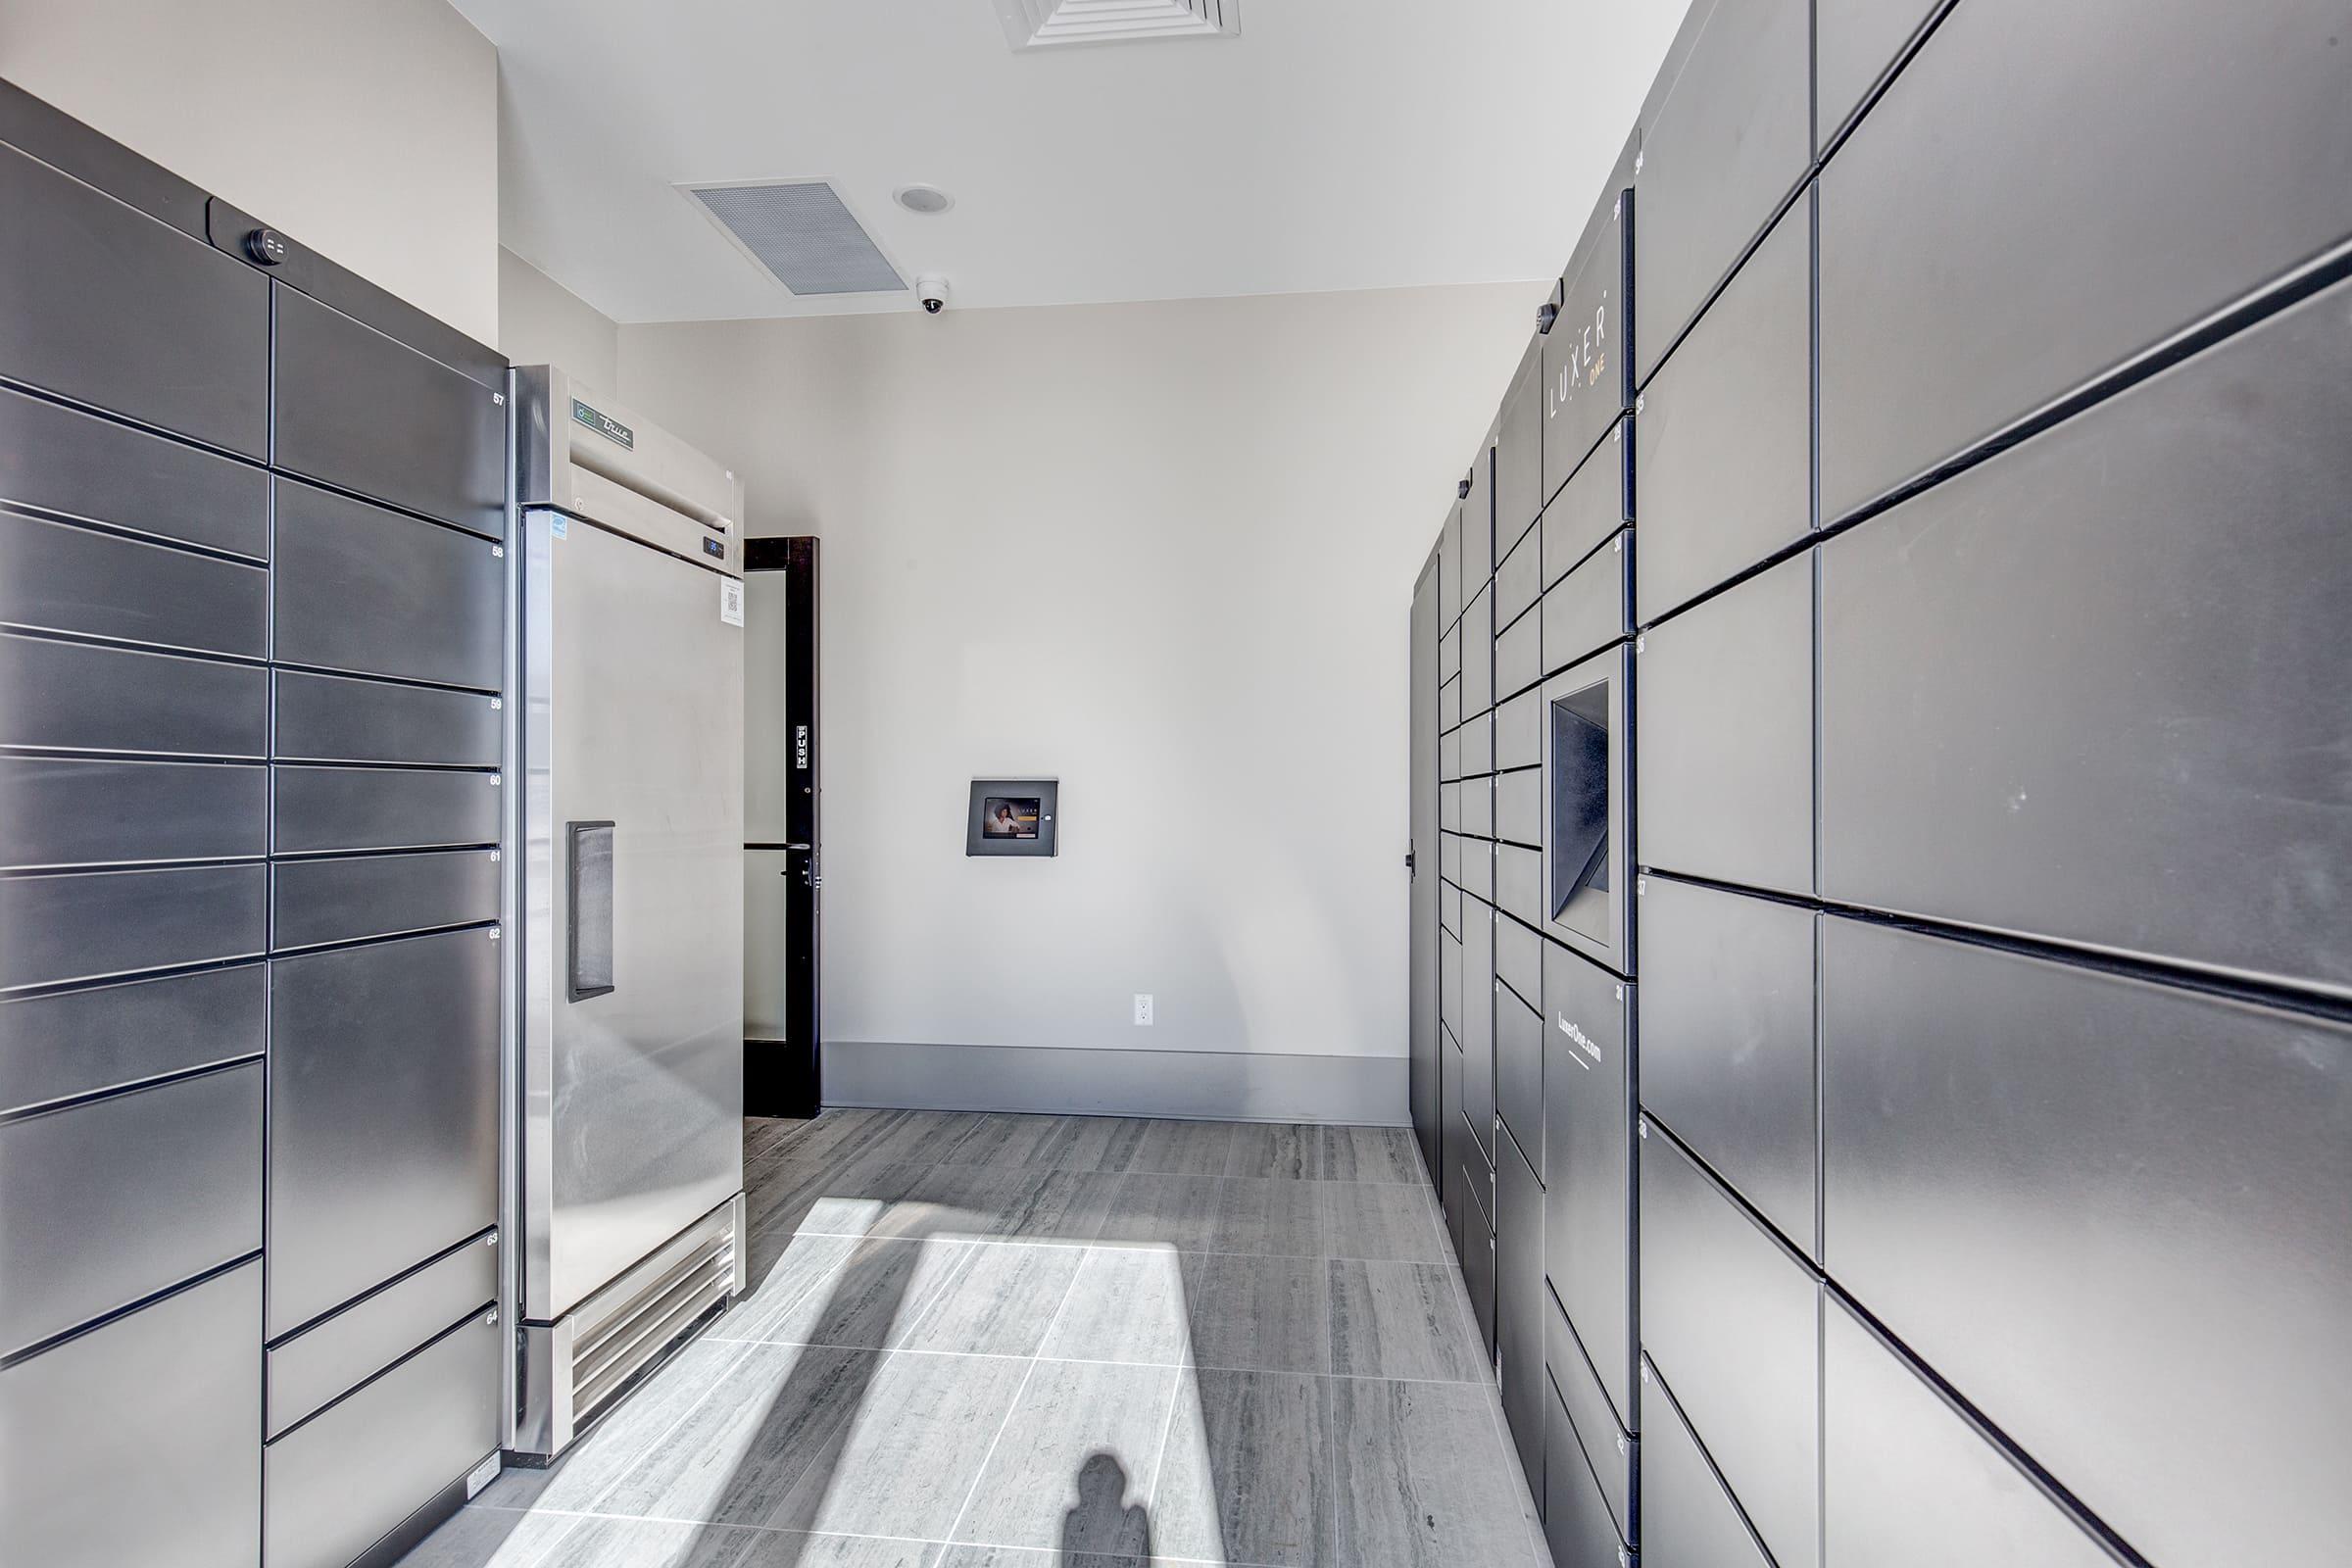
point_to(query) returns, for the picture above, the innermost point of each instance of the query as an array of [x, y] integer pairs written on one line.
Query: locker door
[[1726, 133], [1478, 1026], [1724, 439], [1733, 1323], [360, 411], [2137, 1241], [131, 316], [1726, 1040], [2149, 163], [1906, 1480], [1726, 780], [2090, 689]]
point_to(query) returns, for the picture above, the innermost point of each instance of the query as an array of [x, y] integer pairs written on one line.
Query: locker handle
[[588, 876]]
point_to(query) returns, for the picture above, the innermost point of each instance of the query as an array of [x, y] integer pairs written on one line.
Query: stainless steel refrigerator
[[627, 1172]]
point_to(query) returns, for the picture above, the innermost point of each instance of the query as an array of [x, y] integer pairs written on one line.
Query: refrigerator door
[[632, 1095]]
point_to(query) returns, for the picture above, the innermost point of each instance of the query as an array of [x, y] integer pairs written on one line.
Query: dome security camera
[[932, 292]]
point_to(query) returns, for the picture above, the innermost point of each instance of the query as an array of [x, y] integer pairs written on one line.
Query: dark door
[[781, 858], [1423, 1077]]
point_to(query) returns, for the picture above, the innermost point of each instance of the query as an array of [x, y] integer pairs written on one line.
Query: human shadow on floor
[[1103, 1530]]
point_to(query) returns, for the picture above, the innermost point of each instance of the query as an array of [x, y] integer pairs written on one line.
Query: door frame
[[1425, 1095], [786, 1077]]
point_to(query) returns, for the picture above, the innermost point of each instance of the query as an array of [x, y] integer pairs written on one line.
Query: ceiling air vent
[[1051, 23], [801, 232]]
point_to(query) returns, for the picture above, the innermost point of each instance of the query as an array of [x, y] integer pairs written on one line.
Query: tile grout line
[[1338, 1517], [1195, 1175], [1157, 1558], [1160, 1460], [1447, 1261], [940, 1296], [1027, 1372], [1157, 1366]]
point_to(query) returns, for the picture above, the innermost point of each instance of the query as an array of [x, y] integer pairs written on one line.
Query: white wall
[[540, 322], [1162, 551], [367, 129]]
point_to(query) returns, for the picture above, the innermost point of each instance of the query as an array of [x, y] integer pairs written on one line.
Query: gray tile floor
[[1053, 1342]]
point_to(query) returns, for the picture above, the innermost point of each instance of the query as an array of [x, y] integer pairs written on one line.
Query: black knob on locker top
[[265, 246]]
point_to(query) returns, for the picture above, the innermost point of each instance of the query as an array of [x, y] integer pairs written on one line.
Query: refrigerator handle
[[588, 883]]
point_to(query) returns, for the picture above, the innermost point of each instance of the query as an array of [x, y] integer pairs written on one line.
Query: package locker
[[76, 465], [224, 1163], [1519, 575], [1854, 42], [2148, 166], [1588, 1218], [1687, 1515], [1591, 505], [56, 576], [1478, 518], [370, 591], [164, 1405], [2110, 1212], [1726, 777], [443, 457], [1733, 1321], [137, 318], [1588, 361], [1592, 607], [1907, 1479], [1477, 652], [1724, 437], [1519, 654], [1726, 135], [1478, 1026], [1520, 1300], [2089, 690], [1519, 1036], [1727, 1006], [1519, 450], [1576, 1522], [75, 1044], [1477, 745], [1608, 1451]]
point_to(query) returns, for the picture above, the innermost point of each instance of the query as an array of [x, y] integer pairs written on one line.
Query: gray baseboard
[[1201, 1085]]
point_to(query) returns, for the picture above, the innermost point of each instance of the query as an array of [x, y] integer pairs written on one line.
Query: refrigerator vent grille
[[803, 233], [1051, 23], [619, 1339]]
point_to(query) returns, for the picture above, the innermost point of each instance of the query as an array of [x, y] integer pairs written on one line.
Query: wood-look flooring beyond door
[[1053, 1342]]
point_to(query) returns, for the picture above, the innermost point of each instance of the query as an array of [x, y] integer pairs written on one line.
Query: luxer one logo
[[1584, 1042], [1587, 356]]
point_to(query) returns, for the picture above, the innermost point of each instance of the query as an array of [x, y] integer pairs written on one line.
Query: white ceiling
[[1336, 144]]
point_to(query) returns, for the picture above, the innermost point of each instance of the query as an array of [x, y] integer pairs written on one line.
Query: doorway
[[783, 879], [1424, 1088]]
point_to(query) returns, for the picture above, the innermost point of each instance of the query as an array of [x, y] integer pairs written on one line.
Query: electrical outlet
[[1143, 1009]]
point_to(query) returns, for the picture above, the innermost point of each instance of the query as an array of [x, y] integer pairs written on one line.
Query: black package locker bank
[[1964, 1179], [253, 568]]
